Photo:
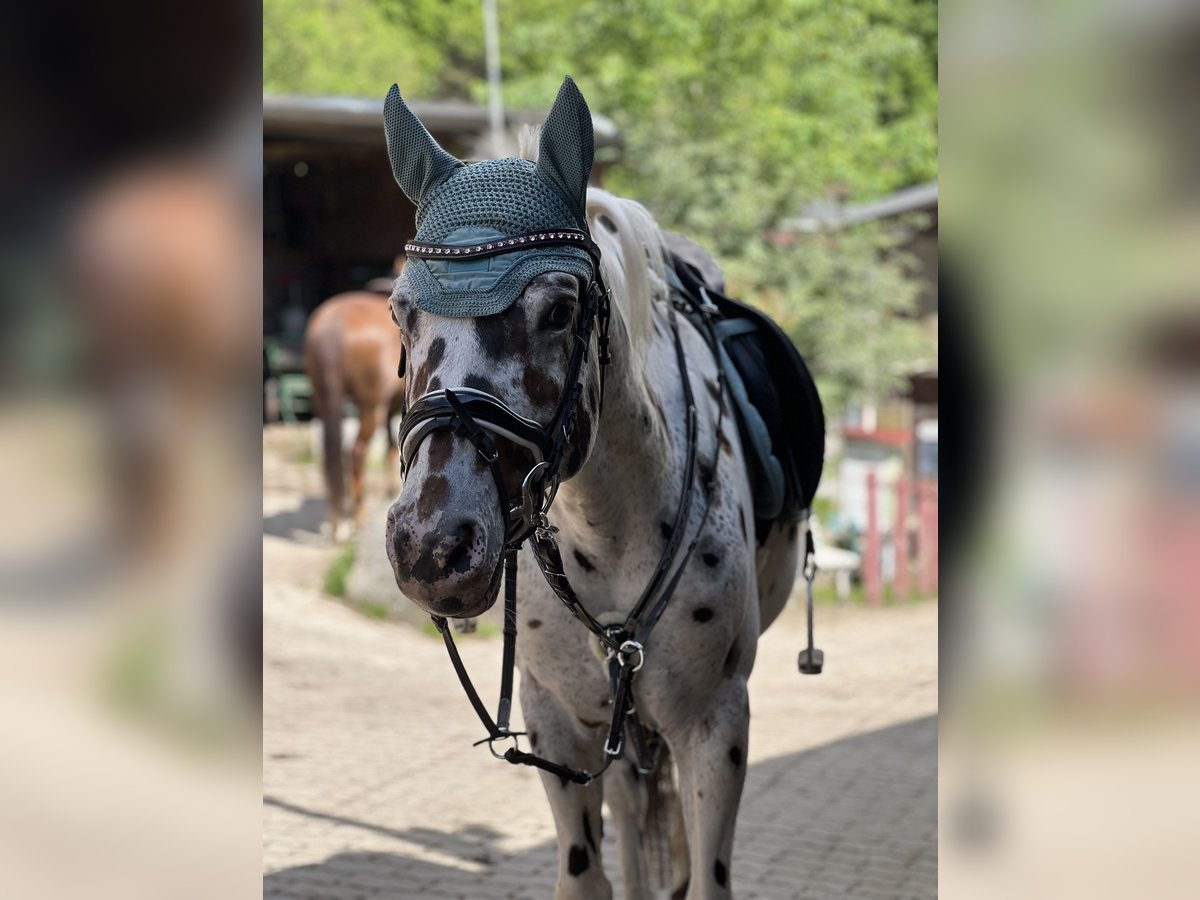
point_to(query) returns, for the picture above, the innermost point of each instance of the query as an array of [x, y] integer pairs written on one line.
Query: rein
[[479, 416]]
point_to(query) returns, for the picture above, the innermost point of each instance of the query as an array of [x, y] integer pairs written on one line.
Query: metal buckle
[[536, 499], [508, 735], [627, 649], [617, 751]]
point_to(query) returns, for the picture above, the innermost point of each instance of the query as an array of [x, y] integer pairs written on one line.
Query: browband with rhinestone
[[504, 245]]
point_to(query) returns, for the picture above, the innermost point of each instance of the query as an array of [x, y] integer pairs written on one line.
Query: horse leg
[[371, 415], [393, 467], [677, 841], [323, 364], [648, 818], [624, 789], [393, 459], [554, 733], [393, 451], [711, 756]]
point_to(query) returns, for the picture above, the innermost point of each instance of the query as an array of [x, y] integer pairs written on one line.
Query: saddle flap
[[772, 391]]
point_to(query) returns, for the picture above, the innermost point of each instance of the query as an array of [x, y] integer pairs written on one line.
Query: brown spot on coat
[[480, 383], [584, 562], [440, 447], [539, 387], [504, 333], [433, 359], [433, 494]]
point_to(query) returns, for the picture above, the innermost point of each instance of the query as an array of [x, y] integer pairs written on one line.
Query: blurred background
[[1071, 608], [130, 569], [797, 141], [798, 144]]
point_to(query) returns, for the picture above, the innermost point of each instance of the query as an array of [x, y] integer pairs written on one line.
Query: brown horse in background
[[352, 348]]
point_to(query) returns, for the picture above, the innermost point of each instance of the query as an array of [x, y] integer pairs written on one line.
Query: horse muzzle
[[451, 568]]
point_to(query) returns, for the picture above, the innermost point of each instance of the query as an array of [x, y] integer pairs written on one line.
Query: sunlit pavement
[[372, 788]]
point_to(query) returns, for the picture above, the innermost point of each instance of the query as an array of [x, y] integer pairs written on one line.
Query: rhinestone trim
[[431, 250]]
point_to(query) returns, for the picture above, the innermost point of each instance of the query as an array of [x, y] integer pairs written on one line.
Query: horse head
[[497, 308]]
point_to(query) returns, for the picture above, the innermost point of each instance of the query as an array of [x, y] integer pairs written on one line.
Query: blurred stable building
[[333, 217]]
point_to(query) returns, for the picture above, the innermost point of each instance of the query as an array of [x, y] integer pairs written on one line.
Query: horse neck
[[630, 469]]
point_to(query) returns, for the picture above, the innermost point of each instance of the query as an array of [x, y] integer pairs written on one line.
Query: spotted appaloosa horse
[[621, 488], [351, 347], [613, 513]]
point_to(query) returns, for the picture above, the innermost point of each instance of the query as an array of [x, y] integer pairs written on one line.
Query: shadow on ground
[[854, 818], [303, 522]]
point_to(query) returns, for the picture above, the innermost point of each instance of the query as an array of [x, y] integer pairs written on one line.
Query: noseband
[[480, 417]]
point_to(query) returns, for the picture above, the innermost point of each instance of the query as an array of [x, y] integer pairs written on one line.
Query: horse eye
[[560, 315]]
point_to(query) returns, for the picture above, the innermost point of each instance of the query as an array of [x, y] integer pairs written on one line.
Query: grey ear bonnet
[[460, 205]]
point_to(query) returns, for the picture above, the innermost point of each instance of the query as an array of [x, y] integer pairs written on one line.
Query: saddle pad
[[778, 408]]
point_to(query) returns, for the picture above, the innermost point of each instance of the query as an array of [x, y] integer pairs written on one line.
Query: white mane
[[631, 247], [631, 258]]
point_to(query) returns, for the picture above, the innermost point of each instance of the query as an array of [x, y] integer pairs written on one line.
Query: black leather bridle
[[481, 418]]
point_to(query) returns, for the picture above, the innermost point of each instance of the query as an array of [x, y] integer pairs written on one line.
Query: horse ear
[[418, 163], [566, 149]]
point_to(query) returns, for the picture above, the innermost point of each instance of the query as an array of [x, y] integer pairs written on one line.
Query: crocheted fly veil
[[480, 205]]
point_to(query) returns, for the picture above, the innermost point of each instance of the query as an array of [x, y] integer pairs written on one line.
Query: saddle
[[774, 396]]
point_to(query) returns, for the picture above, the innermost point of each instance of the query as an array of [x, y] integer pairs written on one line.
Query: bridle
[[481, 417]]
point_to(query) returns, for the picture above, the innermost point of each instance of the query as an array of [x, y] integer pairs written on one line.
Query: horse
[[623, 495], [352, 347]]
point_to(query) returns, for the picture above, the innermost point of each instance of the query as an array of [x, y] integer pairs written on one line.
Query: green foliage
[[483, 629], [330, 47], [733, 117], [339, 571], [846, 300], [373, 610]]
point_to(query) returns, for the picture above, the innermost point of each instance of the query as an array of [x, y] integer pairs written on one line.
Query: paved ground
[[372, 789]]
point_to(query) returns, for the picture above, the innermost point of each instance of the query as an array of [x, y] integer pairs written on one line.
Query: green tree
[[733, 117]]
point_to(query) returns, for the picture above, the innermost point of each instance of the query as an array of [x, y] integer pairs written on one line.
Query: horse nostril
[[460, 541]]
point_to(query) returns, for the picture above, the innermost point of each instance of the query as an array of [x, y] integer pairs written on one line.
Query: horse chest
[[688, 649]]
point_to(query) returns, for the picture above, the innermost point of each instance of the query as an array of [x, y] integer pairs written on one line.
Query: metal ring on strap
[[628, 649]]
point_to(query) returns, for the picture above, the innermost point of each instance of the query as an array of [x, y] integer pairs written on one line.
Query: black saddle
[[778, 409]]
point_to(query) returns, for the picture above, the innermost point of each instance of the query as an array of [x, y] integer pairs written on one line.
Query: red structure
[[902, 581], [925, 506], [871, 575]]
